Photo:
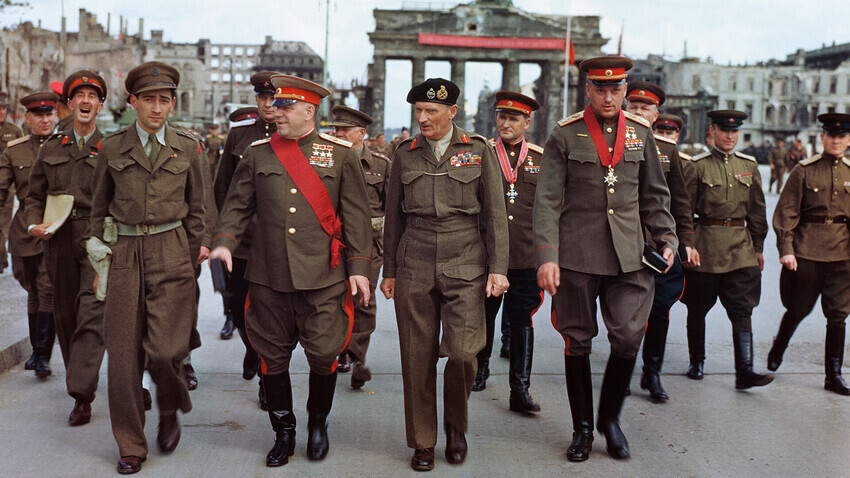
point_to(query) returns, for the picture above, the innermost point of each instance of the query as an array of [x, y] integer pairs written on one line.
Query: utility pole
[[325, 63]]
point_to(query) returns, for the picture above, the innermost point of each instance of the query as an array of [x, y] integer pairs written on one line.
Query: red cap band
[[86, 80], [40, 103], [644, 95], [606, 74], [297, 94], [245, 116], [514, 105], [669, 123]]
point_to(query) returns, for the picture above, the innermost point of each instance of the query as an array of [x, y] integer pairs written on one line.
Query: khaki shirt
[[598, 229], [818, 186], [727, 186], [15, 165], [463, 182], [520, 203], [777, 156], [290, 250], [62, 168], [680, 203], [127, 188], [8, 132]]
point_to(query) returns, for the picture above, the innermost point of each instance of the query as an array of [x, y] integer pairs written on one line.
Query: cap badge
[[731, 120], [155, 71], [266, 84], [642, 93], [608, 72], [430, 94], [442, 94], [509, 103], [85, 79]]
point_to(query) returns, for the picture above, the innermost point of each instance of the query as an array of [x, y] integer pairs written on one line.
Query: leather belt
[[823, 219], [146, 229], [728, 222], [451, 224], [80, 213]]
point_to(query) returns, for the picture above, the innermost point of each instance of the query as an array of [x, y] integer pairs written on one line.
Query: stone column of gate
[[379, 72], [552, 85], [458, 78], [417, 76], [510, 75]]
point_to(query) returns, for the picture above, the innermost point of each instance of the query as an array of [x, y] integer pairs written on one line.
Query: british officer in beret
[[446, 239]]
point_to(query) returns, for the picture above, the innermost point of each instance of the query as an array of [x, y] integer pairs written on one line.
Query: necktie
[[152, 148], [80, 144]]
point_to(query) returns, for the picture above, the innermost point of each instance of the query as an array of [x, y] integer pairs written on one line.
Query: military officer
[[149, 181], [64, 115], [520, 164], [8, 132], [307, 192], [28, 264], [725, 190], [810, 221], [65, 166], [644, 99], [350, 125], [251, 124], [215, 146], [600, 178], [446, 249], [776, 158]]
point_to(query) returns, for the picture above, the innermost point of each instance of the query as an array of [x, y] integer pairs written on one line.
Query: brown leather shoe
[[360, 374], [455, 445], [169, 433], [423, 459], [81, 414], [128, 465], [343, 363], [191, 378], [146, 399]]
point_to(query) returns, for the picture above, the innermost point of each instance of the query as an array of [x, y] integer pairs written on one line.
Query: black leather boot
[[833, 358], [745, 377], [580, 393], [279, 396], [654, 343], [32, 322], [226, 332], [43, 348], [696, 348], [318, 407], [481, 376], [522, 353], [261, 394], [618, 372], [250, 363], [786, 329]]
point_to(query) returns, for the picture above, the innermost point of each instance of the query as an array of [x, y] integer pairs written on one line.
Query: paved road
[[790, 428]]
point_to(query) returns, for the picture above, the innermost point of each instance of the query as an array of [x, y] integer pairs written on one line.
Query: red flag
[[572, 53]]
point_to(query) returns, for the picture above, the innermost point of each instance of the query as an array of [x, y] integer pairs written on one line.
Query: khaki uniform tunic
[[680, 202], [289, 259], [8, 132], [594, 231], [27, 251], [64, 168], [150, 304], [440, 258], [376, 167]]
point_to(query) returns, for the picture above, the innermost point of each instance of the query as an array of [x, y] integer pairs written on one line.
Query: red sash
[[605, 157], [502, 154], [306, 179]]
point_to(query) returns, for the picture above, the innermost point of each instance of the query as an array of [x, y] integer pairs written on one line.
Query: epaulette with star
[[702, 155], [261, 141], [745, 156], [535, 148], [571, 119], [334, 139], [637, 119], [665, 139], [22, 139], [810, 160]]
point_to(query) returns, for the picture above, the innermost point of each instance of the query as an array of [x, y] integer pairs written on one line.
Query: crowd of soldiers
[[112, 230]]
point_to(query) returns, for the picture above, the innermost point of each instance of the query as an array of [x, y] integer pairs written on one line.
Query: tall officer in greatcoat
[[148, 216], [350, 125], [811, 223], [28, 265], [65, 166], [8, 132], [250, 124], [520, 165], [311, 253], [600, 183], [644, 100], [725, 190], [446, 239]]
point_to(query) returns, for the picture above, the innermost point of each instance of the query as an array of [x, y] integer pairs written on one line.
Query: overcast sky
[[736, 32]]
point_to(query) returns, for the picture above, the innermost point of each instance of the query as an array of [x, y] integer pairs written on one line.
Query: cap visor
[[284, 102]]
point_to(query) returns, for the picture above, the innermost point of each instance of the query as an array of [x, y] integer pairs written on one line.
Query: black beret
[[434, 90]]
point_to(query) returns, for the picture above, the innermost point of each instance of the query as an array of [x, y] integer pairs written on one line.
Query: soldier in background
[[350, 125], [725, 190], [599, 181], [520, 165], [215, 145], [644, 100], [810, 221], [28, 264], [8, 132], [249, 125], [776, 158], [65, 166], [796, 154], [64, 115]]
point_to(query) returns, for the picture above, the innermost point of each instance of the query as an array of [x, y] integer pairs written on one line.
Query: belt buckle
[[829, 220], [727, 222], [145, 229]]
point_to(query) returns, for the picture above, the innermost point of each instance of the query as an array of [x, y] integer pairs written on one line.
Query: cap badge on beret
[[443, 93], [154, 71], [430, 94]]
